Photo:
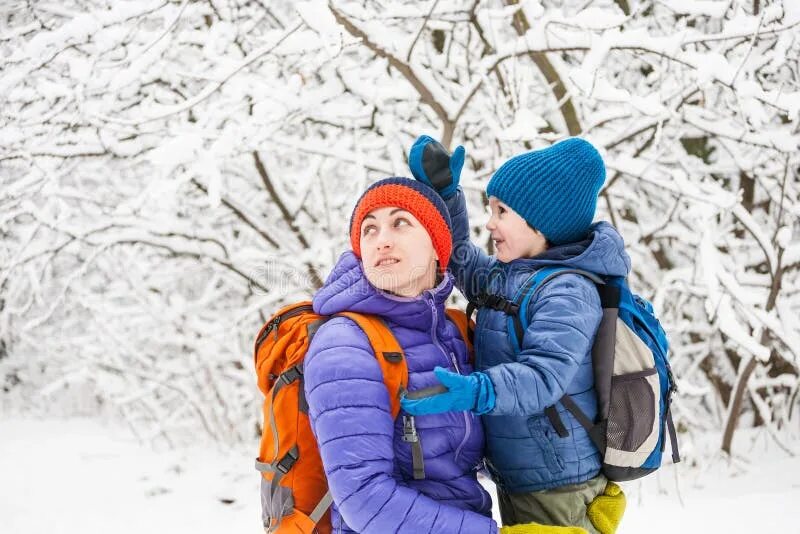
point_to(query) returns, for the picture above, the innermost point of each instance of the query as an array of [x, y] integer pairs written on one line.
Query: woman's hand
[[433, 165]]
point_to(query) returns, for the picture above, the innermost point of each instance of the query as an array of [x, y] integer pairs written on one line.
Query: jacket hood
[[347, 289], [602, 253]]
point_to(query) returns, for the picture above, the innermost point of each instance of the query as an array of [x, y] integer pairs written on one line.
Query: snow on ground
[[78, 476]]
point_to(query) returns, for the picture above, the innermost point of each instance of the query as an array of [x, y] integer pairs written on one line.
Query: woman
[[401, 243]]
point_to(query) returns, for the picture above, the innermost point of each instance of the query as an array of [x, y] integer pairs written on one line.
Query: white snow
[[82, 476], [77, 476], [116, 114]]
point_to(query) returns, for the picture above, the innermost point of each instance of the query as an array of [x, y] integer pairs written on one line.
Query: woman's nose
[[384, 241]]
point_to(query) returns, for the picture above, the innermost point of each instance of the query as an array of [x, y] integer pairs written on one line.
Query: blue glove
[[431, 164], [473, 392]]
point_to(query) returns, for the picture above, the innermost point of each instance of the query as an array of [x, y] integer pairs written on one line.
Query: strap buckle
[[291, 374], [287, 461], [480, 299], [500, 303], [410, 429]]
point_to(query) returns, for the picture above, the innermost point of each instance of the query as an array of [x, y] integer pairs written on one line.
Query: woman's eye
[[368, 230], [401, 222]]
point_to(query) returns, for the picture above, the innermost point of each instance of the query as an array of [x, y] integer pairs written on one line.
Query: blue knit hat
[[554, 189]]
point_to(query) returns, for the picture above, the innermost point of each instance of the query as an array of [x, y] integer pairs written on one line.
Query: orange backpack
[[294, 491]]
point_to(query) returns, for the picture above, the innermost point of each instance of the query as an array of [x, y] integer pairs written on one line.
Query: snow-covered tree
[[172, 172]]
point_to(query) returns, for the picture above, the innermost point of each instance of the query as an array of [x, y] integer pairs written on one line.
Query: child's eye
[[501, 210]]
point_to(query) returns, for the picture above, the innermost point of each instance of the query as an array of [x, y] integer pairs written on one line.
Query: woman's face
[[397, 252]]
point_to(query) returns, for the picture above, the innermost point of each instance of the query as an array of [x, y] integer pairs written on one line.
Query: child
[[542, 206]]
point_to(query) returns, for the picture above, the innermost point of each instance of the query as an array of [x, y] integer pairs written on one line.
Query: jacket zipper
[[467, 414], [467, 420]]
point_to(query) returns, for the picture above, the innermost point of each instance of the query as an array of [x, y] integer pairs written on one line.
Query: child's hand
[[536, 528], [473, 392], [431, 164]]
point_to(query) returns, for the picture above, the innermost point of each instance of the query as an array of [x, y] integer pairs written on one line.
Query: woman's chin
[[384, 278]]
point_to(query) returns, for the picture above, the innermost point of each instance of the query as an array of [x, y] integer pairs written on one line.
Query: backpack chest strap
[[494, 302]]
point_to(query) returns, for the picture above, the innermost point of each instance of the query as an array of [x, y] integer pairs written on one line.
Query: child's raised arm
[[432, 164], [469, 264]]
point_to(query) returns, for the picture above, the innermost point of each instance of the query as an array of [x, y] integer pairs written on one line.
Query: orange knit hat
[[416, 198]]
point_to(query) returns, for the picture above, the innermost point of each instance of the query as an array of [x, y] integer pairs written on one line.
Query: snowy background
[[171, 172]]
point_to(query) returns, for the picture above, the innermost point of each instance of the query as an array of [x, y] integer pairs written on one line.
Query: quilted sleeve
[[469, 264]]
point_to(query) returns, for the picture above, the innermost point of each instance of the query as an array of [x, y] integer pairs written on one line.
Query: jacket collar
[[347, 289]]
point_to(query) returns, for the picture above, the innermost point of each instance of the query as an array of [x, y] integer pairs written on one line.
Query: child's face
[[512, 236], [397, 252]]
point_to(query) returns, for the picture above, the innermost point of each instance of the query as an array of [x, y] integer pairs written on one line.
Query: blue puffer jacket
[[369, 467], [524, 453]]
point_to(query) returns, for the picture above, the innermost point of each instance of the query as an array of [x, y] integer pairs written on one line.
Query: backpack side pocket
[[633, 419]]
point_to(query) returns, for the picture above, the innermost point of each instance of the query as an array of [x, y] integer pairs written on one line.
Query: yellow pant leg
[[536, 528]]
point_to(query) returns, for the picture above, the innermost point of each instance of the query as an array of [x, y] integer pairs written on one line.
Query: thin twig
[[208, 90], [421, 28], [151, 44]]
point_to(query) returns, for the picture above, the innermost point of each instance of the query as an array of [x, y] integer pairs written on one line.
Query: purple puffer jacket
[[367, 463]]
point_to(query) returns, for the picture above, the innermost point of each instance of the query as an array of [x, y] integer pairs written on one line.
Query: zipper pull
[[275, 325], [455, 362]]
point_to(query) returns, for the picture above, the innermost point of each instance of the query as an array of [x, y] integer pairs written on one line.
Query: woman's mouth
[[384, 262]]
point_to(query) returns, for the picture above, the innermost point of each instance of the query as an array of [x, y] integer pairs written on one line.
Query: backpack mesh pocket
[[633, 411]]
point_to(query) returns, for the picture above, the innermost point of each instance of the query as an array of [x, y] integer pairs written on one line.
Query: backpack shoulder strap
[[274, 322], [526, 293], [531, 288], [394, 367], [463, 324], [388, 353]]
